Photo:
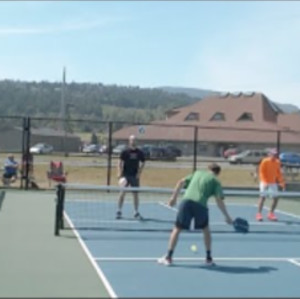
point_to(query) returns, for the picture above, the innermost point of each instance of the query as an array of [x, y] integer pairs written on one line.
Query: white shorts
[[270, 189]]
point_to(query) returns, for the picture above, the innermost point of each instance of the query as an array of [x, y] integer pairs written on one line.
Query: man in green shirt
[[200, 186]]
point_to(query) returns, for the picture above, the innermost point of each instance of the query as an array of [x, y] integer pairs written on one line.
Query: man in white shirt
[[10, 174]]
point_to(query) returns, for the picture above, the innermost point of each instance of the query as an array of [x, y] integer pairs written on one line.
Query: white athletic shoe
[[209, 262], [165, 261]]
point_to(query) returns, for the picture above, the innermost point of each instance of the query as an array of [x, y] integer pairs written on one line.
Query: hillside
[[96, 101], [192, 92], [91, 101]]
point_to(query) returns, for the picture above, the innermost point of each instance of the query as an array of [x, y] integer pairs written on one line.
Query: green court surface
[[33, 262]]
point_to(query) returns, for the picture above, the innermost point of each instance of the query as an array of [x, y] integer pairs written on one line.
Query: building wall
[[11, 141], [72, 144]]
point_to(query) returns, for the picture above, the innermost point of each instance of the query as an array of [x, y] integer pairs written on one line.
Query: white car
[[91, 148], [248, 156], [119, 148], [41, 148]]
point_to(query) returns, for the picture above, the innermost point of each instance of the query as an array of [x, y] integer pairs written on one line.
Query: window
[[249, 94], [192, 116], [246, 117], [218, 116], [224, 95]]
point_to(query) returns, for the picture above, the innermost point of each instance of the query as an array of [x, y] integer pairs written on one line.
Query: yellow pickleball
[[194, 248]]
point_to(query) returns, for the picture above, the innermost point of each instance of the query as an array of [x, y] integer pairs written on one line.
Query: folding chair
[[56, 173]]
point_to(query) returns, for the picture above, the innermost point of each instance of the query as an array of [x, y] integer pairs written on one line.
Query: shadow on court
[[230, 269]]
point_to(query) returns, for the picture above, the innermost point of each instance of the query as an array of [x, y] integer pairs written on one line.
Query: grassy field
[[154, 177], [92, 170]]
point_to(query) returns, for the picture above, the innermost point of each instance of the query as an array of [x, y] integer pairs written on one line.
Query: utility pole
[[63, 111]]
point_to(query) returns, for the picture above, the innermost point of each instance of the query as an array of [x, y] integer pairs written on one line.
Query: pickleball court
[[262, 263]]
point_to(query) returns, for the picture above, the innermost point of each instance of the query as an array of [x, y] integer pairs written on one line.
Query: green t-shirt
[[201, 185]]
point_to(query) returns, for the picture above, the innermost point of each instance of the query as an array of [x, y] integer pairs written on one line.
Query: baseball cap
[[273, 152]]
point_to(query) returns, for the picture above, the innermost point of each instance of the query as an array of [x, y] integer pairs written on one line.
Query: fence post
[[109, 153], [278, 141], [25, 152], [195, 148]]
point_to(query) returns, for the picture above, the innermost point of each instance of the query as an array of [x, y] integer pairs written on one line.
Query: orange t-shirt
[[270, 172]]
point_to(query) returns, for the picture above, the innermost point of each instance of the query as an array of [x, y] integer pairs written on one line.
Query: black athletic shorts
[[188, 210], [132, 181]]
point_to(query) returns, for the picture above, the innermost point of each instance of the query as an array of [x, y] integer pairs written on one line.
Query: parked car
[[41, 148], [174, 149], [104, 149], [119, 148], [230, 151], [248, 156], [153, 152], [290, 158], [91, 148]]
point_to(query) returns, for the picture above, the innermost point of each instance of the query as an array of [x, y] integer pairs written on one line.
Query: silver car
[[41, 148], [248, 156]]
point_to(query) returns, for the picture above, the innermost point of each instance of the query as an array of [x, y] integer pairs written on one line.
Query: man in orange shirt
[[270, 177]]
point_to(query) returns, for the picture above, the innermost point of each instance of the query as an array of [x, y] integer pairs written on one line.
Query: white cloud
[[260, 55], [67, 26]]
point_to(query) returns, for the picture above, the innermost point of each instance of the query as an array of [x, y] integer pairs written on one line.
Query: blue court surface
[[262, 263]]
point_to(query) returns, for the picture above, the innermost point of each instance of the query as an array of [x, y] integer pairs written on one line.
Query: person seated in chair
[[11, 167]]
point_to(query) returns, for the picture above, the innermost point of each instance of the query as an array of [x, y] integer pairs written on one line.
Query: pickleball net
[[89, 207]]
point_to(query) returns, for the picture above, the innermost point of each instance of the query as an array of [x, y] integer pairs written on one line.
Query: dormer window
[[192, 116], [246, 117], [219, 116]]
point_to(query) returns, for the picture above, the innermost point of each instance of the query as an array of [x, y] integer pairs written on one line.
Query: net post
[[59, 209]]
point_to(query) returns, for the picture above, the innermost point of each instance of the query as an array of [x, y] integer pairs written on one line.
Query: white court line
[[285, 213], [134, 222], [86, 220], [230, 259], [295, 262], [165, 205], [91, 259]]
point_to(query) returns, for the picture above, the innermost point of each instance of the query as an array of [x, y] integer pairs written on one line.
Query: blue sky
[[225, 46]]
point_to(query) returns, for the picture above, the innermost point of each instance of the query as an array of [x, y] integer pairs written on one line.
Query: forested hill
[[96, 101], [85, 100]]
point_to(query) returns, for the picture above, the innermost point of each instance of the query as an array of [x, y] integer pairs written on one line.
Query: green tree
[[94, 139]]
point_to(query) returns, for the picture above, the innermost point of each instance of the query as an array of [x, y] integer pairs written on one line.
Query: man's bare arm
[[120, 167], [141, 169], [223, 209], [176, 192]]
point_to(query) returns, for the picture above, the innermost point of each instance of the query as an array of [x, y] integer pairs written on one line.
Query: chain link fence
[[89, 150]]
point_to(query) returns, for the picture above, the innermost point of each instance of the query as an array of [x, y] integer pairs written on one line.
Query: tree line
[[88, 101]]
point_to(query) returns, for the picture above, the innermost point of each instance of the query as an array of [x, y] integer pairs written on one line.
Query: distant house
[[222, 120], [11, 139]]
